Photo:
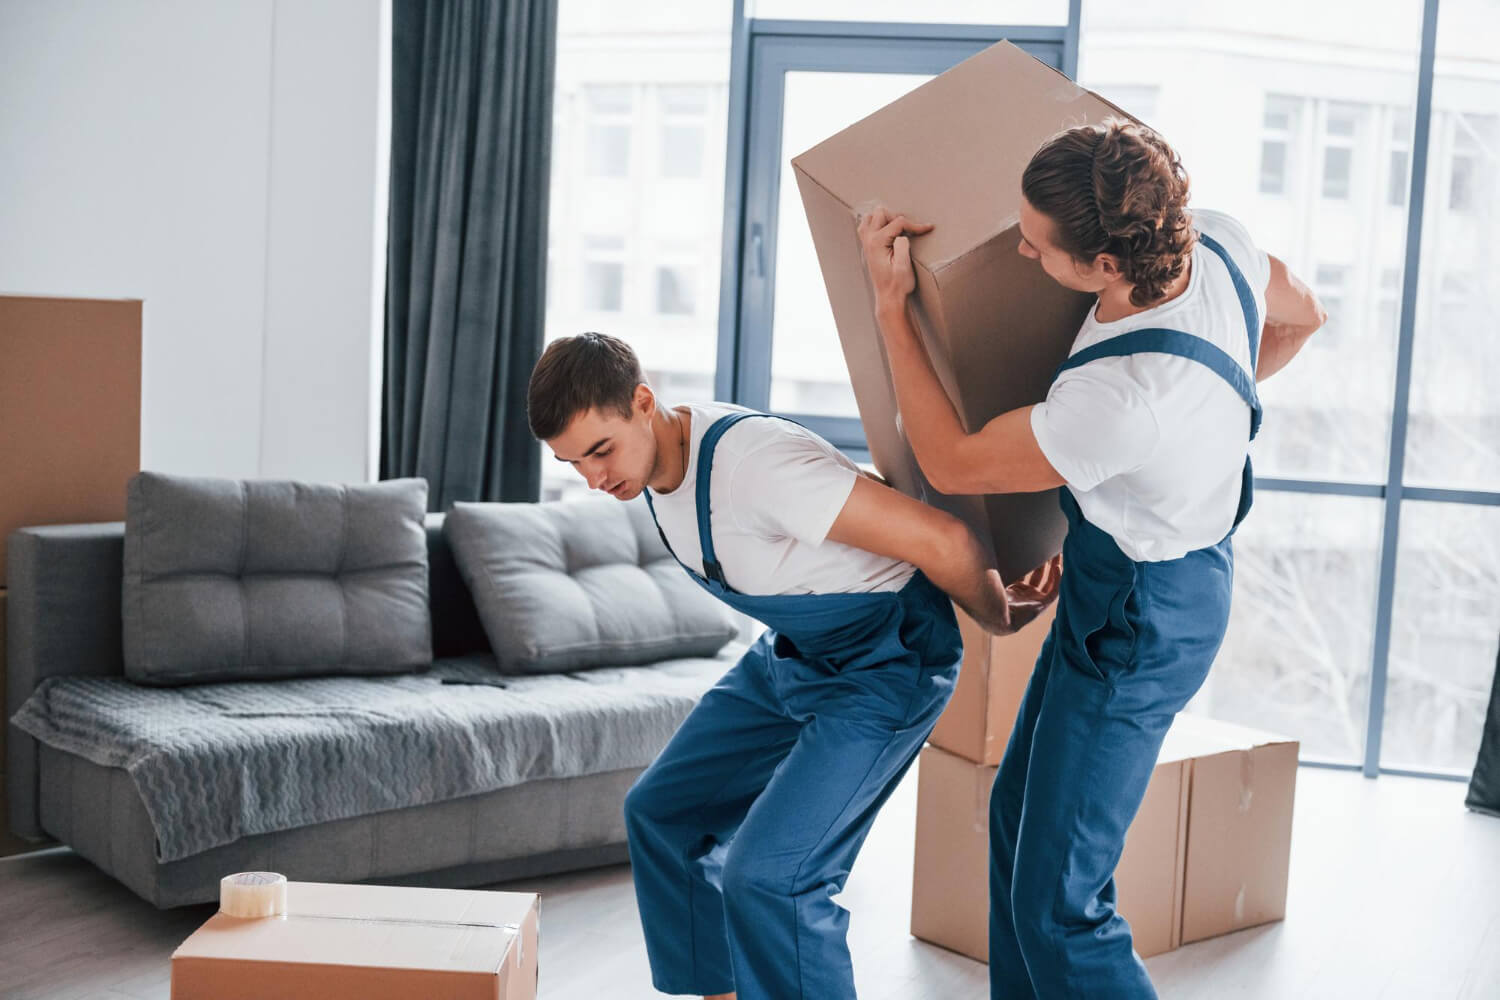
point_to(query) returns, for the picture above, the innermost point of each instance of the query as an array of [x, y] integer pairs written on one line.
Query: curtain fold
[[471, 134]]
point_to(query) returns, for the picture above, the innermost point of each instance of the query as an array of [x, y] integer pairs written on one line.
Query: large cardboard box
[[978, 720], [951, 153], [367, 942], [70, 410], [1206, 854], [1239, 828]]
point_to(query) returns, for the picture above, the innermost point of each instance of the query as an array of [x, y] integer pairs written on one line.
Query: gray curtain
[[471, 133]]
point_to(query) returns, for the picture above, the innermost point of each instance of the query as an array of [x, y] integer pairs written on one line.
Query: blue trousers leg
[[1091, 726], [1009, 979], [794, 852], [682, 813]]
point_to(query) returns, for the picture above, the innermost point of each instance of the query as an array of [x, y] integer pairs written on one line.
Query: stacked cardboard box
[[70, 425], [1207, 853]]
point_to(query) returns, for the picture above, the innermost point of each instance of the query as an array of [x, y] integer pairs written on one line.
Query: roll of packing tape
[[253, 894]]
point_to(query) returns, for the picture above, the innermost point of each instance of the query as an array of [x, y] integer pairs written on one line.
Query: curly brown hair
[[1116, 188]]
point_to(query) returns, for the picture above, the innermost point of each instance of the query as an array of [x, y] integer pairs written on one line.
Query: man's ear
[[1108, 265], [645, 401]]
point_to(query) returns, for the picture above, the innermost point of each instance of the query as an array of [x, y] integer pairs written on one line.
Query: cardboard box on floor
[[977, 722], [70, 410], [1207, 854], [367, 942], [951, 153]]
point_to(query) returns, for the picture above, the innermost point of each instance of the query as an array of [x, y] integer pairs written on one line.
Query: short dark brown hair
[[1116, 188], [578, 374]]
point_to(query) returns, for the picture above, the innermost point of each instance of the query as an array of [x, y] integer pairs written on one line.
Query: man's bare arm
[[1293, 314], [878, 519]]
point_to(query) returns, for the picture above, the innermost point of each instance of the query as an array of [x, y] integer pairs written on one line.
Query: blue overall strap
[[706, 447], [1156, 340], [711, 568], [1247, 297]]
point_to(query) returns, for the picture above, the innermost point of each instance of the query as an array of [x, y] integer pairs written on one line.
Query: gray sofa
[[65, 642]]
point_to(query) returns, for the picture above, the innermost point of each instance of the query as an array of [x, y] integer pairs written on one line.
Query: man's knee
[[643, 803], [748, 876]]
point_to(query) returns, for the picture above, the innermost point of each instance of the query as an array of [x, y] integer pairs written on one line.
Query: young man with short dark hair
[[748, 822]]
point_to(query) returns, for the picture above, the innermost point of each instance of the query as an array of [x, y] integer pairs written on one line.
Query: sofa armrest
[[63, 617]]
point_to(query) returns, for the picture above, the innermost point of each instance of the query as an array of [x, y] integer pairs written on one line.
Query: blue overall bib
[[746, 826], [1131, 644]]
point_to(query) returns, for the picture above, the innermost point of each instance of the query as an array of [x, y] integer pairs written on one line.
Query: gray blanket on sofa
[[217, 762]]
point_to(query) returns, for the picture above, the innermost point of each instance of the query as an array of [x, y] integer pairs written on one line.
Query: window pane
[[609, 150], [1328, 414], [1328, 284], [1444, 635], [932, 11], [1400, 177], [1461, 193], [646, 85], [1336, 171], [1342, 119], [1453, 437], [674, 291], [603, 285], [1138, 102], [808, 374], [681, 150], [684, 100], [1272, 167], [1297, 656]]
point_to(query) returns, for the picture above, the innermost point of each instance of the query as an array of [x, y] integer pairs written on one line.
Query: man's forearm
[[932, 426], [958, 569], [1279, 344]]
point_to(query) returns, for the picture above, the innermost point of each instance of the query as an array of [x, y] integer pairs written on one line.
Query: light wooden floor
[[1395, 893]]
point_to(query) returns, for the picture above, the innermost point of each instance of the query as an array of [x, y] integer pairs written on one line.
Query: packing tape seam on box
[[513, 928]]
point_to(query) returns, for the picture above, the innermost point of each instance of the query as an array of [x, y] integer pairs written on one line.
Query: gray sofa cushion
[[575, 584], [237, 580]]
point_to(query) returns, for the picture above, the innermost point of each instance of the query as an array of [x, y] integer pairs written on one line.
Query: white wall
[[222, 162]]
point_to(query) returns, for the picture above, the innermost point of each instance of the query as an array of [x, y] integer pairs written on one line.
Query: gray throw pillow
[[583, 583], [238, 580]]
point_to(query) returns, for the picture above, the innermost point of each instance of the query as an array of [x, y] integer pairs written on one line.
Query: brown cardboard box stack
[[367, 942], [1208, 850], [70, 426], [1207, 853]]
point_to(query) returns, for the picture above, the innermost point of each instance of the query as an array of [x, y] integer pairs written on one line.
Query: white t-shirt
[[776, 490], [1152, 446]]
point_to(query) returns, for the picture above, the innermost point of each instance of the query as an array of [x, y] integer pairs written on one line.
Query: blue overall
[[746, 826], [1131, 644]]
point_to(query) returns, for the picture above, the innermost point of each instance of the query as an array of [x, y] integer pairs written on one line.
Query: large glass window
[[684, 127], [1370, 645], [1443, 640], [610, 112], [1453, 438], [637, 200], [1296, 659], [808, 374], [1286, 141], [1326, 602]]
